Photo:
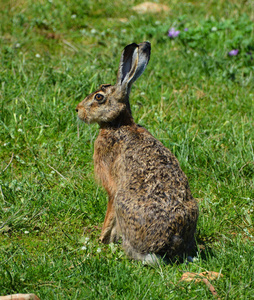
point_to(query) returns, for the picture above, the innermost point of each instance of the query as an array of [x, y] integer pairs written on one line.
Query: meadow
[[196, 96]]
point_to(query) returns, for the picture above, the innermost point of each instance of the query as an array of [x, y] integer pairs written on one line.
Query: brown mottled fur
[[150, 203]]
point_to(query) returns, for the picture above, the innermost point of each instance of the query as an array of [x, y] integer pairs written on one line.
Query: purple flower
[[172, 33], [186, 29], [233, 52]]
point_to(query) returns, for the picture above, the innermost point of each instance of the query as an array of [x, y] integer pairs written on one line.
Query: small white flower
[[37, 55], [83, 248], [26, 232], [74, 16], [113, 247], [157, 23], [17, 45], [99, 250], [5, 144], [20, 130], [214, 29], [93, 31], [142, 94]]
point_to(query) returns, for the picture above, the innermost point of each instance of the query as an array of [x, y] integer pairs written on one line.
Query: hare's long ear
[[133, 62]]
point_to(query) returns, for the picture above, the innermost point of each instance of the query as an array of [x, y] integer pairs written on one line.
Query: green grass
[[193, 97]]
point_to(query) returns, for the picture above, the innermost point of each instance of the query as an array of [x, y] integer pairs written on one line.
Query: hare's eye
[[99, 98]]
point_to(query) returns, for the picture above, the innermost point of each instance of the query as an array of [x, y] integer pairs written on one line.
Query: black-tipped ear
[[133, 62], [127, 62]]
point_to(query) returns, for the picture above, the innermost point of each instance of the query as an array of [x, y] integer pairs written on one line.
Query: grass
[[193, 97]]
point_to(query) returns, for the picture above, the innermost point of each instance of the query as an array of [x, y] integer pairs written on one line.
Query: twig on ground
[[249, 162], [211, 288], [70, 45], [20, 297], [78, 130], [203, 277], [4, 223], [8, 163], [1, 192], [57, 172]]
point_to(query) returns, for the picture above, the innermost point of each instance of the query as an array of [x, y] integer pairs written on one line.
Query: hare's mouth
[[82, 115], [84, 119]]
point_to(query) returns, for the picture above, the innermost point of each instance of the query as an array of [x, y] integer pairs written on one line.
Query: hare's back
[[154, 202], [151, 169]]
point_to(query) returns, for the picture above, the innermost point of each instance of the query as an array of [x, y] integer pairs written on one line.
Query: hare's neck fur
[[124, 118]]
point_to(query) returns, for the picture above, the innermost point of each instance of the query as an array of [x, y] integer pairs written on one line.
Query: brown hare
[[150, 204]]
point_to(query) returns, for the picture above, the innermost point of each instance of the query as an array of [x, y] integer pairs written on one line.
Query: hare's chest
[[107, 157]]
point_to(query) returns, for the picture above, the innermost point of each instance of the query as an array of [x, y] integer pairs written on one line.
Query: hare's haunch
[[150, 204]]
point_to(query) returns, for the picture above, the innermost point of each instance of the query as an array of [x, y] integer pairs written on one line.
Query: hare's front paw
[[104, 238], [111, 236]]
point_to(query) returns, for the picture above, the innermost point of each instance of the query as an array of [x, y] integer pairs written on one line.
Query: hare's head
[[109, 102]]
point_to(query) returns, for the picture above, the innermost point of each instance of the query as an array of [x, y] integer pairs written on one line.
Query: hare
[[150, 204]]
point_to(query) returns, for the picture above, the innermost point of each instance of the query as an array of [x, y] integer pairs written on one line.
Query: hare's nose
[[76, 109]]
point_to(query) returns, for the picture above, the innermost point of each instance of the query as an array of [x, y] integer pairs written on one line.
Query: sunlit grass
[[193, 97]]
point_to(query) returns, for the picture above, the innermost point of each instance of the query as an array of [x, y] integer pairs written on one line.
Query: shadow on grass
[[204, 247]]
